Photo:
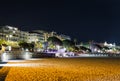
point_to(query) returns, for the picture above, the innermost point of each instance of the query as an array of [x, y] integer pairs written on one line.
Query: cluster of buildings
[[105, 47], [13, 34]]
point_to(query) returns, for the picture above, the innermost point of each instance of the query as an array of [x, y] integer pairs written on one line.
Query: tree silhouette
[[68, 43], [54, 40], [23, 44]]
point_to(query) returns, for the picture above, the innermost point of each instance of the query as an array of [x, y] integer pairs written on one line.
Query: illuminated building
[[10, 33]]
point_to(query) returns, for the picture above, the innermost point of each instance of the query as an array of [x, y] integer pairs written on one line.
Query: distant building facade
[[10, 33]]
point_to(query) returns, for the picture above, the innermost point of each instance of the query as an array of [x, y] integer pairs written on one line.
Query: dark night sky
[[85, 20]]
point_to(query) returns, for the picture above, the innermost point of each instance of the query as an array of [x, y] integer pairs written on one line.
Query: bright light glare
[[26, 55], [24, 60], [25, 65], [4, 57], [16, 60], [91, 55], [36, 59]]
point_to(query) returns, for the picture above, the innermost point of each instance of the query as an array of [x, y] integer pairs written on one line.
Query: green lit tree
[[54, 41], [69, 45]]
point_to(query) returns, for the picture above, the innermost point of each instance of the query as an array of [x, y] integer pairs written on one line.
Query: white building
[[10, 33], [33, 37]]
